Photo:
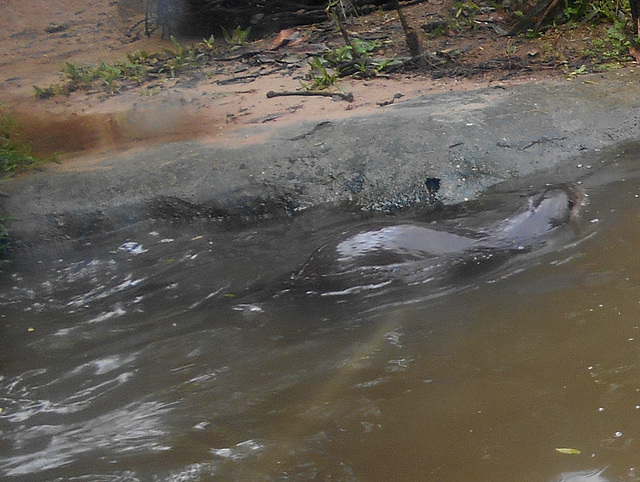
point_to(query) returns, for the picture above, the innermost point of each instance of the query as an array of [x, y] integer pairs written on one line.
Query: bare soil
[[219, 100]]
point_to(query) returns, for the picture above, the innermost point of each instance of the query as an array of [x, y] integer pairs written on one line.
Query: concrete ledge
[[469, 140]]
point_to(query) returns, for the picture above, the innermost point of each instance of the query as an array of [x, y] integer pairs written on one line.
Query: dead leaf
[[568, 451], [288, 36]]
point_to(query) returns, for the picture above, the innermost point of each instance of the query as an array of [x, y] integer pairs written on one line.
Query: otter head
[[553, 208]]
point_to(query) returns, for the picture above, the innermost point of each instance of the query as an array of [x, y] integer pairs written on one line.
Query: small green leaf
[[568, 451]]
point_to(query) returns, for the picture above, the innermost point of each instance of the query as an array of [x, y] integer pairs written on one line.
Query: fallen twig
[[348, 96], [391, 101], [239, 79]]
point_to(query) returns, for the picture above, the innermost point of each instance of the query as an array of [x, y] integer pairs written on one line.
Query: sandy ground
[[39, 37]]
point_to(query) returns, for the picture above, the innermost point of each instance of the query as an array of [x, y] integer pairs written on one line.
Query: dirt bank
[[469, 140]]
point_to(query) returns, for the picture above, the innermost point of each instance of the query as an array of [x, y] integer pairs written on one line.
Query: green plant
[[109, 74], [140, 57], [178, 51], [355, 55], [181, 57], [74, 72], [380, 66], [177, 57], [138, 67], [15, 156], [574, 14], [467, 9], [45, 92], [238, 37], [133, 71], [340, 55], [78, 75], [589, 10], [579, 71], [363, 66], [531, 33], [321, 77], [464, 13], [618, 40], [614, 47], [209, 43], [357, 49]]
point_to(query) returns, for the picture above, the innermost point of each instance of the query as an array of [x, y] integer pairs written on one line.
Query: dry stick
[[403, 20], [413, 41], [348, 96], [343, 31], [146, 18]]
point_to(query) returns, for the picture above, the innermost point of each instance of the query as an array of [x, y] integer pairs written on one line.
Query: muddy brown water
[[163, 352]]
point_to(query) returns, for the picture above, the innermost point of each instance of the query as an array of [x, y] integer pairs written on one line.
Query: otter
[[377, 255]]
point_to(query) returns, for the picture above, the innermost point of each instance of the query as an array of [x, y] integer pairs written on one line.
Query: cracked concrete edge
[[469, 140]]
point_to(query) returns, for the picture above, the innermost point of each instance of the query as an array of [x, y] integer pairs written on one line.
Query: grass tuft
[[15, 155]]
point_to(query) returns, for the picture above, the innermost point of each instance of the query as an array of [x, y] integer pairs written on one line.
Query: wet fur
[[417, 253]]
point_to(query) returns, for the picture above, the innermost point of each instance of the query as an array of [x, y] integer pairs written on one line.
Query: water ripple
[[135, 428]]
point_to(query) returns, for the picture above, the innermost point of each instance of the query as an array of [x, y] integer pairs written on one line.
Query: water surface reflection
[[163, 353]]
